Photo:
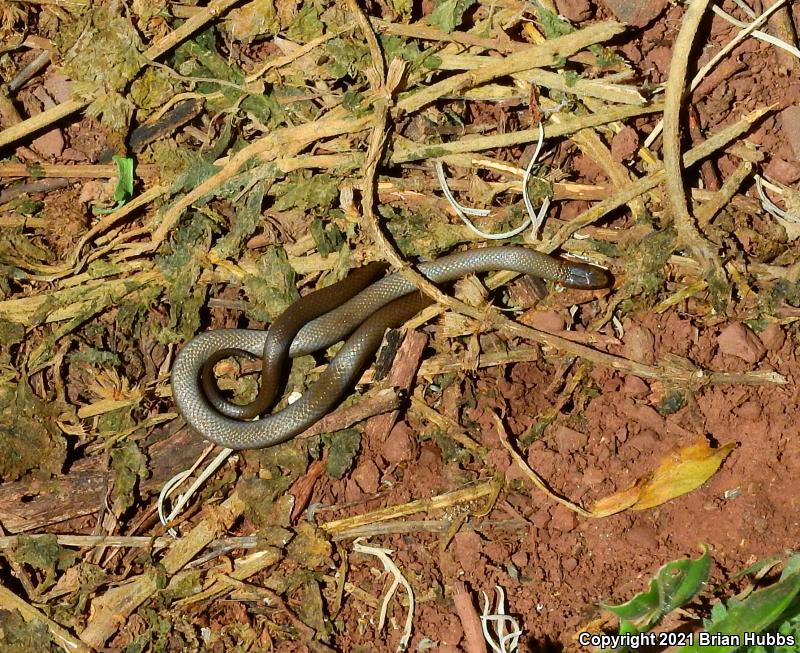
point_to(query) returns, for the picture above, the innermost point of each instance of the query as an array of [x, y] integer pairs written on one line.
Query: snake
[[359, 309]]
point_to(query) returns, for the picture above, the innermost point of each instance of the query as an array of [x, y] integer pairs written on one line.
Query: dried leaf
[[29, 439], [310, 547], [130, 466], [679, 473], [256, 18]]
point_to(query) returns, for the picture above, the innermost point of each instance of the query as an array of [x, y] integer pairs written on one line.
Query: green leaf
[[571, 78], [754, 614], [29, 437], [124, 190], [552, 25], [271, 288], [129, 466], [20, 635], [402, 7], [95, 357], [396, 48], [306, 26], [246, 220], [676, 584], [672, 401], [449, 14], [792, 566], [345, 57], [328, 238], [305, 191]]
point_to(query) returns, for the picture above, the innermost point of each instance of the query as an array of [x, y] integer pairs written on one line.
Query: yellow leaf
[[679, 473], [615, 503]]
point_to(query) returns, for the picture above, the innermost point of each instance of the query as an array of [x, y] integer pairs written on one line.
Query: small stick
[[125, 541], [79, 171], [28, 72], [469, 494], [402, 375], [710, 208], [38, 186], [443, 525], [470, 621], [428, 33], [415, 152], [453, 429], [383, 401], [782, 26], [303, 487]]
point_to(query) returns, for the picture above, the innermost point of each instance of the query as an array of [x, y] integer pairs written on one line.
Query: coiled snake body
[[354, 309]]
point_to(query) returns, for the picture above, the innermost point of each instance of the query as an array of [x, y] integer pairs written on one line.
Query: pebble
[[593, 476], [635, 12], [772, 336], [564, 519], [624, 144], [575, 10], [520, 559], [635, 387], [738, 340], [642, 536], [549, 321], [541, 518], [639, 344], [790, 119], [783, 171], [467, 549], [367, 476], [569, 440], [399, 446]]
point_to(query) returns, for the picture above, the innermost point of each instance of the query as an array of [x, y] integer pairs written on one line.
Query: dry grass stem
[[413, 152], [534, 478], [440, 502], [706, 148], [116, 604], [537, 56], [597, 88], [688, 233]]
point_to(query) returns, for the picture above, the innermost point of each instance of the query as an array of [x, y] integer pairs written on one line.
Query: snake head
[[589, 277]]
